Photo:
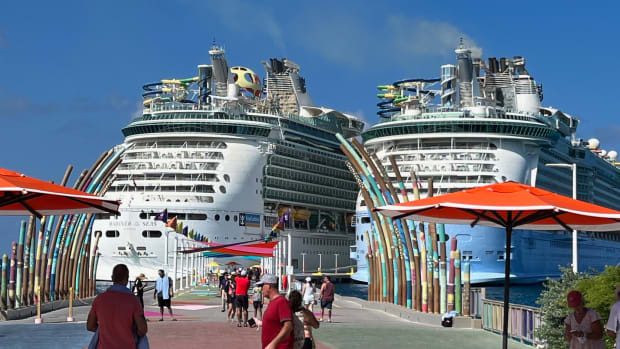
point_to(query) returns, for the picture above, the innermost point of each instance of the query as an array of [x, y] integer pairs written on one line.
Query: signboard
[[249, 220], [289, 269]]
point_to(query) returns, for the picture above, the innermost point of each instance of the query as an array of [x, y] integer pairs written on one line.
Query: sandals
[[239, 325], [245, 324]]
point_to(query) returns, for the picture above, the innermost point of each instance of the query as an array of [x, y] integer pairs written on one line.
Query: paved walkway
[[201, 324]]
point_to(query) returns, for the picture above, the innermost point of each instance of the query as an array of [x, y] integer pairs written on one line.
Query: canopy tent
[[21, 195], [241, 249], [508, 205]]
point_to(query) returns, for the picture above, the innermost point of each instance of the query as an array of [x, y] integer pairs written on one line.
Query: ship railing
[[523, 321]]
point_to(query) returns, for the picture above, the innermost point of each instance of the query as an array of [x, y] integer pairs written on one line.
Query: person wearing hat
[[613, 324], [241, 299], [138, 288], [583, 328], [308, 291], [277, 331]]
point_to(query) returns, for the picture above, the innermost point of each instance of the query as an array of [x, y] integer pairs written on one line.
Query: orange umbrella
[[22, 195], [508, 205]]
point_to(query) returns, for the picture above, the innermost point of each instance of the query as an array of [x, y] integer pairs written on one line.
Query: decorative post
[[457, 282], [466, 289]]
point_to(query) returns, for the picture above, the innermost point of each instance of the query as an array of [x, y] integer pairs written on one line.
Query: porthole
[[226, 178], [227, 218], [223, 189], [112, 234], [142, 215], [217, 217], [235, 218]]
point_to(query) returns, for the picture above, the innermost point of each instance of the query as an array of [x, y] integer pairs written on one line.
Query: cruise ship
[[481, 123], [227, 154]]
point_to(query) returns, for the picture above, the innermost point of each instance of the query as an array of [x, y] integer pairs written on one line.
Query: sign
[[249, 220], [289, 269]]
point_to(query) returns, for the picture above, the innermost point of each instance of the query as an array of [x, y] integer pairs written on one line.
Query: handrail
[[523, 321]]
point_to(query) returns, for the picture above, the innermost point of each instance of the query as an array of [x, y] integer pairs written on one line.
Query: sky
[[71, 72]]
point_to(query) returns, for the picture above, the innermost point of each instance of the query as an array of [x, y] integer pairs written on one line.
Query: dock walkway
[[202, 325]]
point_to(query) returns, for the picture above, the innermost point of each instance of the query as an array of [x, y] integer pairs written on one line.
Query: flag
[[172, 223], [162, 216], [286, 216], [185, 230]]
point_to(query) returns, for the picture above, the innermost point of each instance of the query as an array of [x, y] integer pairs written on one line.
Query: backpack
[[298, 333]]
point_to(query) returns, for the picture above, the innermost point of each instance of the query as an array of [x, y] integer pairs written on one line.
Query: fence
[[523, 321]]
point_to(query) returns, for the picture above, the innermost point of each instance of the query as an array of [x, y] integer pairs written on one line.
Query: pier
[[357, 324]]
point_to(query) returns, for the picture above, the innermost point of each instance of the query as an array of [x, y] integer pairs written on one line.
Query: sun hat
[[267, 279], [573, 298]]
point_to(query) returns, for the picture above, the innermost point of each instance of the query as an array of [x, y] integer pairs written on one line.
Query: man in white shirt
[[163, 293], [613, 324]]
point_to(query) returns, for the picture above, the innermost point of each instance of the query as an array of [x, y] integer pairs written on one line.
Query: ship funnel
[[221, 72], [205, 73], [465, 75]]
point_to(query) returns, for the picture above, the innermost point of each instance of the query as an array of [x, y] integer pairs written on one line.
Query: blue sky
[[71, 72]]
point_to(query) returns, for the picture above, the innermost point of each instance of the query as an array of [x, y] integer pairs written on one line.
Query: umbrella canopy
[[23, 195], [508, 205]]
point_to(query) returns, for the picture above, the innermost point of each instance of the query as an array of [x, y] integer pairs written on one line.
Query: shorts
[[307, 343], [163, 302], [242, 302], [309, 300], [326, 304], [257, 304], [230, 299]]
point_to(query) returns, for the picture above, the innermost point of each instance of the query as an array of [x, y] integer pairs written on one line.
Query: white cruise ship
[[227, 156], [484, 123]]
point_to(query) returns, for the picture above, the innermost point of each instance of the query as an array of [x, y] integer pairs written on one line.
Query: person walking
[[230, 296], [613, 324], [308, 291], [164, 294], [327, 298], [583, 328], [241, 299], [223, 294], [138, 288], [305, 316], [257, 302], [277, 331], [115, 313]]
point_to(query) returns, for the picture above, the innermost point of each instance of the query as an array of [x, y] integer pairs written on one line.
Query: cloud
[[351, 40], [11, 105]]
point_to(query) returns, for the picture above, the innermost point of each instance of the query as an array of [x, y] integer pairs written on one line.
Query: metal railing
[[523, 321]]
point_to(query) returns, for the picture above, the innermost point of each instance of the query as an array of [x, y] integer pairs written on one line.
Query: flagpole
[[176, 249]]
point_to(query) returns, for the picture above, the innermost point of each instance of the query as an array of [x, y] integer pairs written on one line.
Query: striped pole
[[37, 265], [12, 272], [20, 265], [429, 270], [31, 262], [451, 275], [466, 294], [442, 268], [458, 294], [3, 282], [423, 266]]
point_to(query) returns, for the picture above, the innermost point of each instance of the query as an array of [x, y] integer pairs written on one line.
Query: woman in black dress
[[138, 288]]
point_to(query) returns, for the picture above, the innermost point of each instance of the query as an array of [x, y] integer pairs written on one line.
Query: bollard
[[38, 320], [70, 317]]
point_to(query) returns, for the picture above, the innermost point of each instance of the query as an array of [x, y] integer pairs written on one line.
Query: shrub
[[598, 292], [553, 308]]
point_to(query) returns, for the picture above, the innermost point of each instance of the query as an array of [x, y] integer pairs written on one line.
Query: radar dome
[[593, 143], [613, 155], [603, 152], [247, 80]]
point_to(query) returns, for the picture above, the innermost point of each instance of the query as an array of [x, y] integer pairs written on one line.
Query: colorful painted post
[[436, 293], [20, 265], [37, 265], [43, 268], [31, 262], [442, 268], [466, 289], [3, 282], [458, 294], [423, 265], [453, 246], [429, 270], [12, 272]]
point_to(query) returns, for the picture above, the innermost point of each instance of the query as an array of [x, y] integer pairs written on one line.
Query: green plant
[[598, 292], [553, 308]]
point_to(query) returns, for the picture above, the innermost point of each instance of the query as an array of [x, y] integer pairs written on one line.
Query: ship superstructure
[[481, 123], [227, 155]]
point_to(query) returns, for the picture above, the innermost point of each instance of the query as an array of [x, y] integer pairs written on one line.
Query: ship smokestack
[[465, 75], [221, 72]]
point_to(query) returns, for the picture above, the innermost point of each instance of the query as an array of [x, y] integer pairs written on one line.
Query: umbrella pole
[[506, 287]]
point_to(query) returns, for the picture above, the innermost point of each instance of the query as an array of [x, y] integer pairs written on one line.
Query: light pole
[[303, 262], [336, 255], [573, 167], [320, 261]]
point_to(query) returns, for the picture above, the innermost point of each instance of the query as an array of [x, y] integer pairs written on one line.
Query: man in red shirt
[[115, 312], [277, 330], [243, 283]]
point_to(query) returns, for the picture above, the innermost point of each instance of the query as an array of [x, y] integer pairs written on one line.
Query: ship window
[[112, 234], [227, 218], [197, 216], [235, 218], [365, 220], [141, 248], [226, 178], [151, 233], [223, 189], [143, 215], [217, 217]]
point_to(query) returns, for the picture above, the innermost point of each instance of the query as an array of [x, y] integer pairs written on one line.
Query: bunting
[[162, 216]]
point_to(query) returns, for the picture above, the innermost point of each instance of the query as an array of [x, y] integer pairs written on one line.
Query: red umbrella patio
[[509, 205], [22, 195]]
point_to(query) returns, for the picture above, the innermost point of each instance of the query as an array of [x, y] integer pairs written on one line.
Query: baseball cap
[[573, 298], [267, 279], [244, 273]]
